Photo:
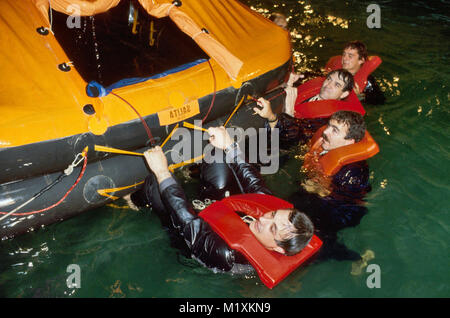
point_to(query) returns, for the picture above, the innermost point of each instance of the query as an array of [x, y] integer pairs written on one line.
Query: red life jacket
[[272, 267], [322, 108], [331, 162], [360, 77]]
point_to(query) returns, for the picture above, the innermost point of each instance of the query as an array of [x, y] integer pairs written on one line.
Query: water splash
[[96, 49]]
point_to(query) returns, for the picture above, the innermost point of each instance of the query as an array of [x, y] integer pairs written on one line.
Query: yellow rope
[[235, 109], [170, 135], [114, 150], [152, 31], [188, 125], [172, 167], [135, 22], [104, 192]]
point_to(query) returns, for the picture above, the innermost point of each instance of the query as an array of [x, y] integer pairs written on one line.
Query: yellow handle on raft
[[188, 125], [234, 111], [152, 32], [174, 166], [135, 22], [104, 192], [114, 150], [170, 135]]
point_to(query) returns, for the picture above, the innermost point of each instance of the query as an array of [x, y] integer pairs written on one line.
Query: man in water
[[340, 204], [279, 19], [337, 86], [285, 231], [354, 56]]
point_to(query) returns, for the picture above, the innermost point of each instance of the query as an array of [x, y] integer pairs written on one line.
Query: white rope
[[18, 208], [51, 18], [79, 158], [197, 34], [170, 8]]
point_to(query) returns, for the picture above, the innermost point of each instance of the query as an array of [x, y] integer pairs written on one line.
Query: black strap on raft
[[57, 180]]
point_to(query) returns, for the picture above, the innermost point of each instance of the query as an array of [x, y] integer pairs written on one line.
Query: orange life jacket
[[272, 267], [331, 162], [322, 108], [360, 77]]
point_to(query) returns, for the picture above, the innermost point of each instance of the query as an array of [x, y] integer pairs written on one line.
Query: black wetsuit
[[343, 208], [169, 201], [372, 92]]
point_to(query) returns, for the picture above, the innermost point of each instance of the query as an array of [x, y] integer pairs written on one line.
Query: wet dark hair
[[354, 121], [275, 15], [360, 47], [304, 230], [346, 77]]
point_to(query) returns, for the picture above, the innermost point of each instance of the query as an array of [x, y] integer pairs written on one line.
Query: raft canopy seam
[[51, 17]]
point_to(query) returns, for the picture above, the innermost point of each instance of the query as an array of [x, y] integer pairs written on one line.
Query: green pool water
[[123, 253]]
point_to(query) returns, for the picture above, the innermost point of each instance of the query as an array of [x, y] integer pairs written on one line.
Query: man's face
[[280, 21], [334, 136], [351, 60], [332, 88], [272, 226]]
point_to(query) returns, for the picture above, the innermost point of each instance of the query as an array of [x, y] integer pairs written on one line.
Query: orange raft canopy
[[38, 100], [51, 51]]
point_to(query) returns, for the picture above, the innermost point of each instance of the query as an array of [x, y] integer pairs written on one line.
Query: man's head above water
[[344, 128], [279, 19], [337, 85], [354, 56], [285, 231]]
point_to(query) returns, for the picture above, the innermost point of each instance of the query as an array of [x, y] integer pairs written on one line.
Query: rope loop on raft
[[176, 3], [78, 159]]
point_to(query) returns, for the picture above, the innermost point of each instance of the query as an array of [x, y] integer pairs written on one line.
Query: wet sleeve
[[247, 174], [205, 245]]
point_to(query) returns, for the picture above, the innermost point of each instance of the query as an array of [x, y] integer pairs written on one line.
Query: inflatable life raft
[[322, 108], [361, 76], [121, 74], [272, 267]]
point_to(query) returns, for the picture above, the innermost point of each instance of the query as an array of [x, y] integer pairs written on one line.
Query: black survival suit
[[169, 200]]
